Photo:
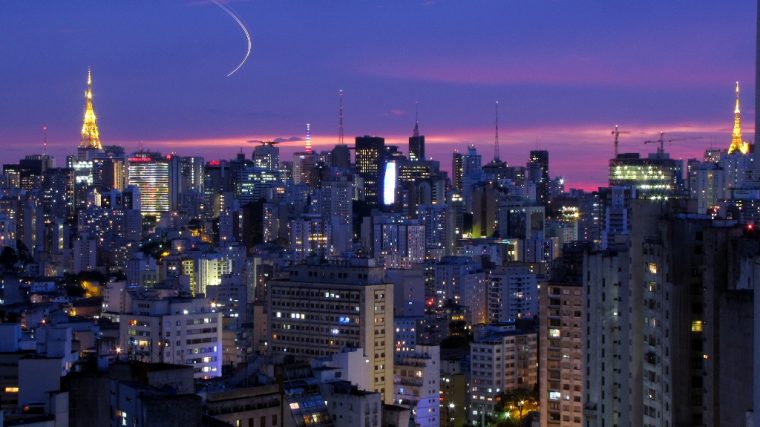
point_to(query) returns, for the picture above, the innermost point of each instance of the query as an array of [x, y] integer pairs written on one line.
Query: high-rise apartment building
[[183, 331], [538, 174], [398, 242], [666, 330], [417, 383], [309, 236], [191, 174], [561, 354], [502, 359], [322, 309], [513, 293], [606, 338], [457, 170]]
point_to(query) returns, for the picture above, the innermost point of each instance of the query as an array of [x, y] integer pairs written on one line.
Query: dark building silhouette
[[370, 159]]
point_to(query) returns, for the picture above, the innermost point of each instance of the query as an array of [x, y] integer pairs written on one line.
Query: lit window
[[652, 268], [696, 326], [553, 333]]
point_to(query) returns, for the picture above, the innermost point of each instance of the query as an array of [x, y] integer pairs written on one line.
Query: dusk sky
[[565, 72]]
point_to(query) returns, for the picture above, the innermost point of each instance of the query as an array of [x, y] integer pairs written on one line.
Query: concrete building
[[667, 322], [417, 383], [397, 242], [310, 236], [349, 406], [561, 354], [181, 331], [461, 280], [258, 406], [606, 296], [513, 293], [501, 359], [322, 309], [212, 267]]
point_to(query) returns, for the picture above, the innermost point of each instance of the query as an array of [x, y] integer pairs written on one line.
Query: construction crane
[[617, 133], [661, 141]]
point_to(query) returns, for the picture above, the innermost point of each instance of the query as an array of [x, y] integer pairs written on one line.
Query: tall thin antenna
[[308, 138], [340, 118], [496, 156], [44, 140], [417, 119]]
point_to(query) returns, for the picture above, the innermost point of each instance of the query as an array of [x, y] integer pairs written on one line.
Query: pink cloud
[[584, 68], [579, 153]]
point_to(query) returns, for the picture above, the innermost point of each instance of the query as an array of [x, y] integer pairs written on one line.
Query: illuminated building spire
[[736, 136], [308, 139], [90, 135]]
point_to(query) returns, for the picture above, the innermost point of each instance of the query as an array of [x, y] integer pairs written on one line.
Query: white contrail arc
[[245, 32]]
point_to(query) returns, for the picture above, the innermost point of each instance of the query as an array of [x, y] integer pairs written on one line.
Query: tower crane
[[617, 133], [661, 141]]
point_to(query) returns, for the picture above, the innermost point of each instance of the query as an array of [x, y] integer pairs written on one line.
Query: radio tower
[[308, 138], [496, 156], [44, 140], [340, 117]]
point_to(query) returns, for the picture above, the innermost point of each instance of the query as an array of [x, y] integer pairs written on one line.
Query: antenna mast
[[496, 156], [44, 139], [340, 118]]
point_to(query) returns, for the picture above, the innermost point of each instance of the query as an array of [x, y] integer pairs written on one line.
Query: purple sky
[[565, 73]]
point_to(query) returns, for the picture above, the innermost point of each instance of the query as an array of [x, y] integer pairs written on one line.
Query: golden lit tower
[[736, 137], [90, 135]]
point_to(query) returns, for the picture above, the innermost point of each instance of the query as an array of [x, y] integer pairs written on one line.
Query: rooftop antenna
[[417, 119], [496, 156], [44, 139], [340, 117]]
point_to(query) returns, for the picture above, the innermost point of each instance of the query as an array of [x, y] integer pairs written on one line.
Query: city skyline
[[141, 95]]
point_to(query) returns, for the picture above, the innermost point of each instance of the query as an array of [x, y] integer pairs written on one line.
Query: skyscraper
[[657, 177], [538, 173], [151, 176], [266, 156], [457, 170], [370, 162], [416, 144]]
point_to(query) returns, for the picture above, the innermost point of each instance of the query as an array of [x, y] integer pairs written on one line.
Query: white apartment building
[[182, 331]]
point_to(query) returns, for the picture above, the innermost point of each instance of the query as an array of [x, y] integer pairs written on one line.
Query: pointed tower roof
[[736, 136], [416, 119], [90, 134]]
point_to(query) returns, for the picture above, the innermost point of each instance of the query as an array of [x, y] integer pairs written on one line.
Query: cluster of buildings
[[376, 288]]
